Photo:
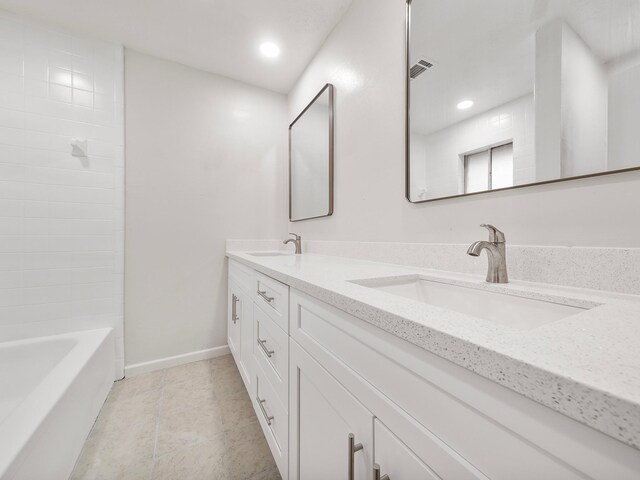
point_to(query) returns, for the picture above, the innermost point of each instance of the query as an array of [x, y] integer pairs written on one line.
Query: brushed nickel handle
[[376, 473], [263, 294], [353, 448], [264, 412], [234, 309], [267, 352]]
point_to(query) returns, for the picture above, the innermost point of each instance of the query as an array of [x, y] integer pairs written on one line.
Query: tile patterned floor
[[192, 422]]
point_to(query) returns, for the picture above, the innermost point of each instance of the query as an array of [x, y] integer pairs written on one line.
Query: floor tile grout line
[[157, 429]]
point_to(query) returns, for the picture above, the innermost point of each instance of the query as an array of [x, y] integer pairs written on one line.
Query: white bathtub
[[51, 391]]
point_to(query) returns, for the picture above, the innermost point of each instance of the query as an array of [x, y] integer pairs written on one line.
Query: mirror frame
[[331, 90], [407, 135]]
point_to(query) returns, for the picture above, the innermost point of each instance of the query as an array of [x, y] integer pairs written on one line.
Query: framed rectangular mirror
[[509, 93], [311, 159]]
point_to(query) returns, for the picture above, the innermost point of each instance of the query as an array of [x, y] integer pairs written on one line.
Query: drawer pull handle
[[267, 352], [353, 448], [376, 473], [234, 309], [264, 412], [263, 294]]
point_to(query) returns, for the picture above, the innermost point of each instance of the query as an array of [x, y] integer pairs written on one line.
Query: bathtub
[[51, 391]]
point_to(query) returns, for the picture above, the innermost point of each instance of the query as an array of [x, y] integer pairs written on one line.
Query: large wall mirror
[[508, 93], [311, 159]]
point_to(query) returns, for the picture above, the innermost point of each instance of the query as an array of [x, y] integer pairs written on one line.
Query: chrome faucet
[[297, 240], [496, 252]]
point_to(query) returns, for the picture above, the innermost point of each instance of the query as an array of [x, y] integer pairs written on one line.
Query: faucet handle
[[495, 235], [295, 235]]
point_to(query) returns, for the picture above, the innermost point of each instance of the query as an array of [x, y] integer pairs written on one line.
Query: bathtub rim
[[20, 426]]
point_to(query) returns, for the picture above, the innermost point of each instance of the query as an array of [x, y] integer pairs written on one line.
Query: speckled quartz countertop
[[586, 366]]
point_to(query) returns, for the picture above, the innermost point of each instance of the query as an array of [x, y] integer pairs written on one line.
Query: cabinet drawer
[[273, 297], [271, 351], [242, 276], [273, 419]]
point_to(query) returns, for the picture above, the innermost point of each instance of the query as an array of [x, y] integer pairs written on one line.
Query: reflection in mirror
[[311, 159], [505, 93]]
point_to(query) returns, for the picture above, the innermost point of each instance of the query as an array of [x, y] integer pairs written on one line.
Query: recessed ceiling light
[[270, 49], [464, 104]]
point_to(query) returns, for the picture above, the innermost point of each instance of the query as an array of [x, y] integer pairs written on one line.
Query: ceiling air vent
[[420, 67]]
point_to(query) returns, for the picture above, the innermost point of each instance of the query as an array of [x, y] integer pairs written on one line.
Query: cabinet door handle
[[353, 448], [267, 352], [376, 473], [263, 294], [264, 412], [234, 308]]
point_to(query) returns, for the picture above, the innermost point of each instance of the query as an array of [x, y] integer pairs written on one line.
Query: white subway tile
[[11, 136], [11, 118], [14, 190], [36, 88], [82, 97], [11, 243], [10, 260], [40, 278], [11, 208], [61, 60], [10, 297], [36, 64], [60, 93], [10, 226], [46, 294], [11, 59], [10, 82], [10, 279], [12, 172], [61, 217]]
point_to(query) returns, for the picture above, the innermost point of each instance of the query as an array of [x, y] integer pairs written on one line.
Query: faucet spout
[[297, 240], [496, 254], [475, 249]]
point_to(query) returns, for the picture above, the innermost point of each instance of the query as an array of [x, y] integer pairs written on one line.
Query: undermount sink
[[499, 308], [270, 254]]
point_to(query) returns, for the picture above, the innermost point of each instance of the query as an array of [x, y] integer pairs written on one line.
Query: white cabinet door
[[322, 415], [240, 330], [246, 339], [233, 317], [395, 459]]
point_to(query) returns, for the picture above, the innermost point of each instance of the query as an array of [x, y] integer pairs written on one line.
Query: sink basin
[[270, 254], [499, 308]]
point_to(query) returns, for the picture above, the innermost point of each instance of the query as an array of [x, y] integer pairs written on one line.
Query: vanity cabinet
[[328, 375], [258, 325]]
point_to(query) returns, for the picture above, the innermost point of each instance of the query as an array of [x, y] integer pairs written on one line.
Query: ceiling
[[485, 51], [218, 36]]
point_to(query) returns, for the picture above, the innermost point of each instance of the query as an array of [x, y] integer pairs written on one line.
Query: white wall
[[571, 105], [205, 162], [548, 101], [61, 217], [584, 108], [363, 58], [442, 151], [624, 118]]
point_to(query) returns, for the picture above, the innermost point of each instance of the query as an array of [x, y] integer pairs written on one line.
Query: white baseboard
[[167, 362]]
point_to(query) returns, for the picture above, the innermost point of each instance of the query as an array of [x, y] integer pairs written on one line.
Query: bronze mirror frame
[[331, 90], [407, 138]]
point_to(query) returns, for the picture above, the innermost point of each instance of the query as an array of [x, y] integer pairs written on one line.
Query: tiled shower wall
[[61, 216]]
